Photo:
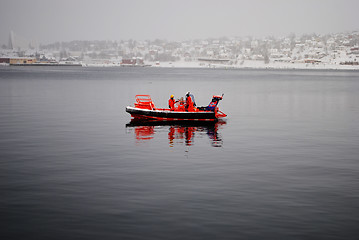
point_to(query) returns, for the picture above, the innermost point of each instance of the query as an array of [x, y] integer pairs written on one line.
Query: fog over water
[[51, 21]]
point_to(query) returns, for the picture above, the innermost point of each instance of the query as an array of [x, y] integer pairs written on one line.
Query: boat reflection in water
[[178, 132]]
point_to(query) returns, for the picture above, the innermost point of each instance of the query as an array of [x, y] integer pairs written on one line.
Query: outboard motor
[[213, 104]]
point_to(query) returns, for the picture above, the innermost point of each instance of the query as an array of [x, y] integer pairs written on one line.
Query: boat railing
[[144, 101]]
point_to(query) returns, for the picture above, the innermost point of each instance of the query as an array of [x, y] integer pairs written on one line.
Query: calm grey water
[[284, 165]]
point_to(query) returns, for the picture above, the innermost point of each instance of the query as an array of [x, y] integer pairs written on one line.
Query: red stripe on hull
[[142, 117]]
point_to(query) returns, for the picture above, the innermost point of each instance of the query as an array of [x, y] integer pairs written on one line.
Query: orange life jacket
[[171, 104], [189, 104]]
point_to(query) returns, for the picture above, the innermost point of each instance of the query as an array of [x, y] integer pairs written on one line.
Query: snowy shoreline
[[259, 65], [245, 65]]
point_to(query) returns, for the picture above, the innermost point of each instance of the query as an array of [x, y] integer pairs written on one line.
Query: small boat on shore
[[145, 109]]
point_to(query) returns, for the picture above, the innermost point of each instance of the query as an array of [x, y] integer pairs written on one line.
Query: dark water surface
[[284, 165]]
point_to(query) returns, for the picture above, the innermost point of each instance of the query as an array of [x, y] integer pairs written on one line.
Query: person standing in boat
[[190, 104], [171, 103]]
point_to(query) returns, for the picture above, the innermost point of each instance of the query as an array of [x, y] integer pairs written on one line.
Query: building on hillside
[[132, 62], [21, 60], [17, 60], [4, 60]]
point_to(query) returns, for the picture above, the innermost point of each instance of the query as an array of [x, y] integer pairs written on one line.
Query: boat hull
[[166, 115]]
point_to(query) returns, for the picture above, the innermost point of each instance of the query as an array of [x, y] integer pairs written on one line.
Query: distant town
[[309, 51]]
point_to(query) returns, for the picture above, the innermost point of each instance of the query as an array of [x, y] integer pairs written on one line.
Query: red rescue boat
[[145, 109]]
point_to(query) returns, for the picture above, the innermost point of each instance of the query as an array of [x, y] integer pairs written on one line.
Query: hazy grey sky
[[48, 21]]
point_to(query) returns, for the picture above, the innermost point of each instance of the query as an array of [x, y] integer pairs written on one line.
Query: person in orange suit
[[171, 103], [189, 103]]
